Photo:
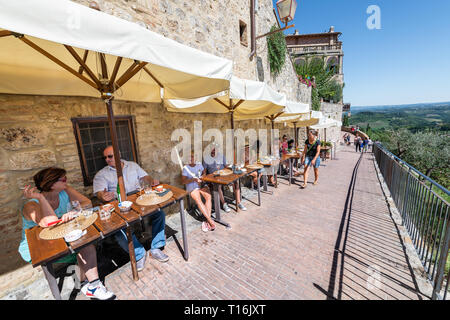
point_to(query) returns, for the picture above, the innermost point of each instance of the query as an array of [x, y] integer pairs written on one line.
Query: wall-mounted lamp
[[286, 10]]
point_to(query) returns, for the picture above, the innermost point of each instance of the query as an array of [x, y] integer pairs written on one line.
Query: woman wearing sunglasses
[[50, 204]]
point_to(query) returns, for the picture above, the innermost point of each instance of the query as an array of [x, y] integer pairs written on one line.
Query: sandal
[[209, 227], [205, 227], [303, 186]]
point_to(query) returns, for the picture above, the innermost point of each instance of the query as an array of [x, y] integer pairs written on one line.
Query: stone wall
[[37, 132], [334, 111]]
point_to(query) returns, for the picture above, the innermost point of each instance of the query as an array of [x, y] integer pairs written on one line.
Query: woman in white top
[[191, 177]]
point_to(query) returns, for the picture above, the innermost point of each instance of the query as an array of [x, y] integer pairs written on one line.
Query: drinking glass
[[73, 207], [139, 188], [87, 210]]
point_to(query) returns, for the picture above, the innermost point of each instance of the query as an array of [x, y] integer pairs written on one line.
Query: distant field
[[413, 117]]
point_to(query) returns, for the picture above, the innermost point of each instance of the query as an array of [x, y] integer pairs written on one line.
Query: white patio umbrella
[[58, 47], [244, 100]]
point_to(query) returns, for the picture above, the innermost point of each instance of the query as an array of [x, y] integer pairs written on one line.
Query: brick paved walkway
[[285, 249]]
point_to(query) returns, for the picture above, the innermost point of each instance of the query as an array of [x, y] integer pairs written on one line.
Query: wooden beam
[[238, 104], [135, 68], [114, 73], [58, 62], [153, 77], [83, 65], [223, 104], [5, 33], [277, 115], [103, 65], [86, 52]]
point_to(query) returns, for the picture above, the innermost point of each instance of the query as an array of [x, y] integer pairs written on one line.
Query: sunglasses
[[110, 156]]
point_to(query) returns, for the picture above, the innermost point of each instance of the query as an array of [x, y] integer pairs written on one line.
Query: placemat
[[62, 229], [223, 172], [153, 199], [255, 166]]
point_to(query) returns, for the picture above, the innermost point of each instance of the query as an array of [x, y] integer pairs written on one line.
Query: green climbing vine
[[276, 45]]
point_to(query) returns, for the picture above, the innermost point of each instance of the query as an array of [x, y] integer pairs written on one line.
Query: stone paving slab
[[333, 240]]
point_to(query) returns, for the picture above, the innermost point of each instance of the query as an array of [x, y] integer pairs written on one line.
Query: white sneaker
[[98, 292], [242, 207], [226, 208]]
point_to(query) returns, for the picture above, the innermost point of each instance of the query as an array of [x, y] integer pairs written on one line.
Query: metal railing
[[420, 201], [316, 48]]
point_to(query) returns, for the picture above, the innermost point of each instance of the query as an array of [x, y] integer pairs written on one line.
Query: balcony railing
[[424, 212], [315, 49]]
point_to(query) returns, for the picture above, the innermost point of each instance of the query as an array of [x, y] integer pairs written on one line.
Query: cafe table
[[225, 180], [290, 157], [45, 253]]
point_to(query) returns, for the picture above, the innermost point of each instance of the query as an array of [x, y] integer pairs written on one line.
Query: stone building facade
[[326, 46], [37, 131]]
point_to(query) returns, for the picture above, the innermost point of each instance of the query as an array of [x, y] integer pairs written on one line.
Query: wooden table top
[[44, 250], [178, 194], [290, 156], [226, 180]]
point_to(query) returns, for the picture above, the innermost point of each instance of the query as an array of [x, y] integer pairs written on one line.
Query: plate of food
[[223, 172]]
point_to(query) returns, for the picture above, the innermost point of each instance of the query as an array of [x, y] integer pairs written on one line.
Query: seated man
[[105, 185], [191, 177], [218, 163]]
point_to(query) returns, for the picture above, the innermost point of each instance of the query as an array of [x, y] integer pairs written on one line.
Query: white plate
[[74, 235], [244, 170]]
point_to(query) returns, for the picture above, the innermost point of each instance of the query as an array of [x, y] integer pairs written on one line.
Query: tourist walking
[[310, 156], [357, 145]]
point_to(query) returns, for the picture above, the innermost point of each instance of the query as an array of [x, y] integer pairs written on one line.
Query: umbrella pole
[[272, 137], [115, 145], [295, 136], [232, 133]]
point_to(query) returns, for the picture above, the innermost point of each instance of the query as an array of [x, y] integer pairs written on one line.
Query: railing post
[[405, 198], [441, 264]]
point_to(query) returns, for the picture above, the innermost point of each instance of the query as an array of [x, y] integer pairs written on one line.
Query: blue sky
[[406, 61]]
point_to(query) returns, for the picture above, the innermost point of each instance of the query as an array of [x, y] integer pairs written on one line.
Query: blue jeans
[[158, 236], [308, 161]]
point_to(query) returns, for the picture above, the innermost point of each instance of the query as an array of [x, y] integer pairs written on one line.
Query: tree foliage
[[276, 47], [427, 151], [326, 87]]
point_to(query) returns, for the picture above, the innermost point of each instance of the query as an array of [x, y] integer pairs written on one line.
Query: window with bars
[[93, 136]]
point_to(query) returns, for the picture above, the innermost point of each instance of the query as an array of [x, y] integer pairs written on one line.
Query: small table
[[290, 157], [218, 181]]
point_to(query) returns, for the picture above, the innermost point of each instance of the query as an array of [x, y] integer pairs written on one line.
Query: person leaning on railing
[[50, 204]]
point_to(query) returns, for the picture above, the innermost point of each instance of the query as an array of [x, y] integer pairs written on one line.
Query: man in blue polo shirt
[[105, 186]]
